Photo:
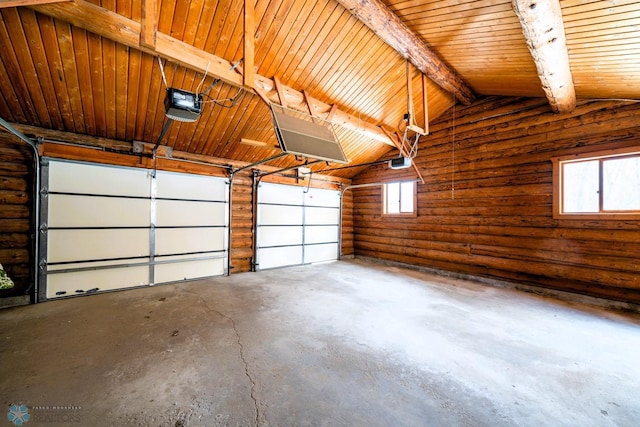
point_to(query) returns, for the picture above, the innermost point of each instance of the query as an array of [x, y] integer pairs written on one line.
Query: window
[[399, 198], [604, 185]]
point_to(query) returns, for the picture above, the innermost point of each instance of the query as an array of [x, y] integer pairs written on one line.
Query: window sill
[[599, 216]]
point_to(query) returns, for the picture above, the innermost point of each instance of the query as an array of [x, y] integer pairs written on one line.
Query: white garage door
[[295, 226], [106, 227]]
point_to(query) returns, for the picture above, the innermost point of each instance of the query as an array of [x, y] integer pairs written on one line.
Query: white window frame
[[386, 201], [558, 187]]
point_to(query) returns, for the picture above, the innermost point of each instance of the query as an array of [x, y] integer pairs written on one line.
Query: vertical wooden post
[[409, 95], [425, 104], [249, 44], [148, 24], [308, 102], [280, 91]]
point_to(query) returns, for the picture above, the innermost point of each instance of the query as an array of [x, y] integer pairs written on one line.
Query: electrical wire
[[206, 71], [164, 77], [216, 82], [377, 162], [309, 183], [226, 102]]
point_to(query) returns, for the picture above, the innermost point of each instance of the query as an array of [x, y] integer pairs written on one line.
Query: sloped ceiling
[[64, 77]]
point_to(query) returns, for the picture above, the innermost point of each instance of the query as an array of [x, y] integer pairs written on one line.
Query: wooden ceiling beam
[[123, 30], [388, 26], [543, 28], [52, 136], [18, 3]]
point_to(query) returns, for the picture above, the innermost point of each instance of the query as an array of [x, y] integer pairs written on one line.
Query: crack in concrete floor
[[259, 420]]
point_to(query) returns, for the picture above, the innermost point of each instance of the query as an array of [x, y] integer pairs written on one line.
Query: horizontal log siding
[[347, 224], [16, 189], [242, 223], [491, 213]]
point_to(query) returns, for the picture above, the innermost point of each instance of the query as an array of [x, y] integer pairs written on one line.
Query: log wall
[[486, 206], [241, 247], [346, 249], [16, 210]]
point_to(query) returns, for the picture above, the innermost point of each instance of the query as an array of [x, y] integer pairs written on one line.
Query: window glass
[[406, 197], [621, 184], [580, 187], [393, 198]]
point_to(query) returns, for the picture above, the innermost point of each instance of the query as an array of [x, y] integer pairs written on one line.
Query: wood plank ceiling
[[59, 76]]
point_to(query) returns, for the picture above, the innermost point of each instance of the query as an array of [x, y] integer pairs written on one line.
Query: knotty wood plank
[[121, 74], [70, 67], [12, 108], [94, 43], [23, 71], [55, 68], [109, 79], [193, 21], [280, 47]]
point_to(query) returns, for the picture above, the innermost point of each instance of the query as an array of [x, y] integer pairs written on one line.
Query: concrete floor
[[342, 344]]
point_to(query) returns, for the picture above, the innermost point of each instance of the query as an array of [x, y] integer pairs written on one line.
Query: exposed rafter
[[16, 3], [388, 26], [123, 30], [543, 28]]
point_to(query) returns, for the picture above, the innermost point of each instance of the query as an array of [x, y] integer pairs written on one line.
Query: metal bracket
[[138, 147]]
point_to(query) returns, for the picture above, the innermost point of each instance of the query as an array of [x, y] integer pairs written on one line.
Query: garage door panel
[[67, 210], [316, 214], [186, 269], [280, 215], [97, 265], [99, 244], [82, 178], [102, 233], [280, 236], [321, 234], [322, 197], [187, 240], [280, 257], [188, 213], [327, 216], [320, 253], [281, 194], [190, 187], [103, 280]]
